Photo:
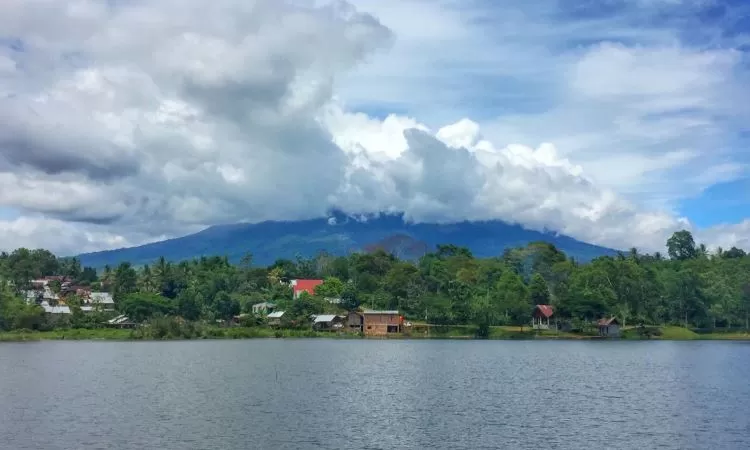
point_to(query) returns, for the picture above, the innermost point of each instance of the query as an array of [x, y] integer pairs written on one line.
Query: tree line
[[448, 286]]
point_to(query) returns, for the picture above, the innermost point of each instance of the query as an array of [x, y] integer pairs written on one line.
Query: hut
[[274, 319], [609, 327], [353, 321], [540, 318], [328, 322]]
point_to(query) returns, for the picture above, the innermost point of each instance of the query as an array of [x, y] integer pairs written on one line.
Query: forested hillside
[[446, 286]]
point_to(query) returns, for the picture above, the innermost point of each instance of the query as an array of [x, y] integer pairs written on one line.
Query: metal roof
[[119, 320], [370, 311], [55, 309], [325, 318], [102, 297], [276, 315]]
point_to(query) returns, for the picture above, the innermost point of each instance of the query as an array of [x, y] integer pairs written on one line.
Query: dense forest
[[691, 287]]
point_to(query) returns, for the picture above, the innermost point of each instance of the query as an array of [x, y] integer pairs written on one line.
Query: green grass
[[70, 334], [436, 332], [677, 334]]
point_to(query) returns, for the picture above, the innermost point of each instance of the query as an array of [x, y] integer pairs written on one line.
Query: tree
[[681, 246], [142, 306], [349, 298], [125, 281], [226, 307], [331, 287], [538, 290]]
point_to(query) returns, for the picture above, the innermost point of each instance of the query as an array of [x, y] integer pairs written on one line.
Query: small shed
[[540, 318], [354, 321], [609, 327], [274, 318], [328, 322]]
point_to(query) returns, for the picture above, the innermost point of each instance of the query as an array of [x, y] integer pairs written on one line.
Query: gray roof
[[102, 297], [264, 305], [325, 318], [276, 315], [55, 309], [370, 311]]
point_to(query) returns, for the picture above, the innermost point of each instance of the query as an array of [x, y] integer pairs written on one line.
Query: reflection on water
[[299, 394]]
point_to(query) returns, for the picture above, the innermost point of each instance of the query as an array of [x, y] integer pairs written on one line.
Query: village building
[[263, 308], [381, 323], [328, 322], [609, 327], [540, 318], [300, 286], [353, 322], [102, 300], [274, 318]]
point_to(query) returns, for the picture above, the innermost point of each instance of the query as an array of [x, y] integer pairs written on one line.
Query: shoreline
[[266, 333]]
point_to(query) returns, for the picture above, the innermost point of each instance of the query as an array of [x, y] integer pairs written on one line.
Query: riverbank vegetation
[[707, 295]]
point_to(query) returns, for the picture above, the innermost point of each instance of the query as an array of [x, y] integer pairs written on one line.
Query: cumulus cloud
[[124, 122]]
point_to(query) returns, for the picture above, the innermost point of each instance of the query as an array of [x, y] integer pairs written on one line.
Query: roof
[[264, 305], [325, 318], [276, 315], [55, 309], [608, 322], [119, 320], [371, 311], [546, 310], [102, 297], [306, 285]]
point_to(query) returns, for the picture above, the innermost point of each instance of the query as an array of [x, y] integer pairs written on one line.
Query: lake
[[369, 394]]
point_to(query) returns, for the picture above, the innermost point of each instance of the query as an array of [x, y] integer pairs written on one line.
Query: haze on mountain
[[615, 123]]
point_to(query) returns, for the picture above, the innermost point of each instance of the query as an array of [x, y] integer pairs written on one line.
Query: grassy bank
[[146, 334], [193, 331]]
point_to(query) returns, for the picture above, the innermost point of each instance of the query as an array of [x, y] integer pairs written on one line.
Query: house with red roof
[[540, 318], [300, 286]]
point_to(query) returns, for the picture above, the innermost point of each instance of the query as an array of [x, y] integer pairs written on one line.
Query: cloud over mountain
[[124, 122]]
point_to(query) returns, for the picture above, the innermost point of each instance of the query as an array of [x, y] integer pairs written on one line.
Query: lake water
[[365, 394]]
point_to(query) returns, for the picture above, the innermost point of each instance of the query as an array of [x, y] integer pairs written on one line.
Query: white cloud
[[124, 122]]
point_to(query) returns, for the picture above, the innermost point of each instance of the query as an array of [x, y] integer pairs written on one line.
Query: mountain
[[340, 235]]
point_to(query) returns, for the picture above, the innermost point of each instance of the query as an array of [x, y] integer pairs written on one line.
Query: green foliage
[[681, 246], [448, 287]]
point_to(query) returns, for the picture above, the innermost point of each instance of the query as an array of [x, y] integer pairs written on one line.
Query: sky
[[616, 122]]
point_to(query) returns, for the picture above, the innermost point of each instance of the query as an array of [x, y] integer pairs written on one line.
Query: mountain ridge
[[339, 235]]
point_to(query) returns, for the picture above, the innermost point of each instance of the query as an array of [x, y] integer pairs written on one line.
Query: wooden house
[[609, 327], [381, 323]]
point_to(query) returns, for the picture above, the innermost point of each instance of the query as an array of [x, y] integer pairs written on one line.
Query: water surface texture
[[342, 394]]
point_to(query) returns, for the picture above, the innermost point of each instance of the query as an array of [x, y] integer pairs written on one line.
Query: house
[[381, 323], [540, 318], [103, 300], [353, 321], [274, 318], [328, 322], [300, 286], [263, 308], [609, 327]]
